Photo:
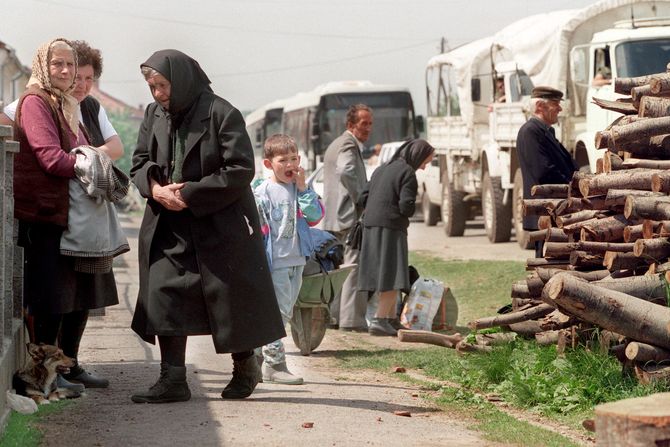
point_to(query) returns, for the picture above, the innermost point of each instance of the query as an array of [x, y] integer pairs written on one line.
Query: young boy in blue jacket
[[287, 208]]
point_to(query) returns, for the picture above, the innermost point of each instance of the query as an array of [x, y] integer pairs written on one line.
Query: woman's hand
[[168, 196]]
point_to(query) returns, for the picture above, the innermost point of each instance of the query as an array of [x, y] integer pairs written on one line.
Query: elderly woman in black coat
[[202, 261], [389, 203]]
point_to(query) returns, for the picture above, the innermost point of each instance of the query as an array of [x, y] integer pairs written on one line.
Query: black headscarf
[[187, 79], [414, 152]]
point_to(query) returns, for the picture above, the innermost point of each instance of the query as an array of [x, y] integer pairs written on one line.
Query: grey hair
[[534, 102], [148, 72]]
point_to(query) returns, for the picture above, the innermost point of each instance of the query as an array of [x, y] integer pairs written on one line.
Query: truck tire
[[454, 209], [497, 216], [431, 213], [517, 201]]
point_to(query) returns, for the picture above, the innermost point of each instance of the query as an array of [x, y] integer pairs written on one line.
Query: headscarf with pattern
[[41, 78]]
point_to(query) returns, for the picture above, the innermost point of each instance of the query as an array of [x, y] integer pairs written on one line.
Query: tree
[[127, 128]]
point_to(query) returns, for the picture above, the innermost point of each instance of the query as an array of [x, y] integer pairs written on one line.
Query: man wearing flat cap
[[542, 158]]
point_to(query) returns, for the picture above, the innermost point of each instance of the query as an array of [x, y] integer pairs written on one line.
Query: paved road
[[347, 408], [472, 245]]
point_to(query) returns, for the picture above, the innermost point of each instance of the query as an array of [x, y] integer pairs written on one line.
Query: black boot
[[78, 374], [246, 375], [171, 387]]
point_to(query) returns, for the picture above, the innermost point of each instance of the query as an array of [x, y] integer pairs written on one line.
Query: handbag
[[355, 236]]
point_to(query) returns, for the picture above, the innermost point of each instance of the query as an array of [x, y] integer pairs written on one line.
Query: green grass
[[480, 287], [21, 430], [565, 388]]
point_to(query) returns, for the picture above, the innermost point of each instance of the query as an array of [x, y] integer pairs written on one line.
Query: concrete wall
[[12, 346]]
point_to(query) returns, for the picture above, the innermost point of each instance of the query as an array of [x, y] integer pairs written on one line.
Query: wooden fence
[[12, 343]]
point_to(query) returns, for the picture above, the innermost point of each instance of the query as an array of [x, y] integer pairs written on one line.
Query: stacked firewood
[[606, 238]]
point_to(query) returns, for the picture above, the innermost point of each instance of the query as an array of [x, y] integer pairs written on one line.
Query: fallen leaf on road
[[399, 369], [403, 413], [307, 424]]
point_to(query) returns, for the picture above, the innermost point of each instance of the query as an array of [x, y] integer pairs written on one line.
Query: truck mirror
[[420, 125], [475, 89]]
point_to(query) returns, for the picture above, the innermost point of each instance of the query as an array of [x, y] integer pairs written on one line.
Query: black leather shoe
[[80, 375]]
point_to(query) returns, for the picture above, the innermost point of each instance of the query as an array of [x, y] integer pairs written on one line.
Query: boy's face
[[284, 166]]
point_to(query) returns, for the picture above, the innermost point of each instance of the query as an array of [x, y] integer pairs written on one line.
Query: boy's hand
[[300, 179]]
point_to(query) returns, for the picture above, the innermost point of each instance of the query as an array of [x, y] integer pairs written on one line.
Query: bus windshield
[[273, 122], [393, 116], [642, 57]]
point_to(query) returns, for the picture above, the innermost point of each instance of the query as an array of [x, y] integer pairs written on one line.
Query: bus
[[261, 123], [315, 118]]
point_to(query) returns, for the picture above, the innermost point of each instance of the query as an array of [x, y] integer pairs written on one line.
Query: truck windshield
[[642, 57], [393, 116]]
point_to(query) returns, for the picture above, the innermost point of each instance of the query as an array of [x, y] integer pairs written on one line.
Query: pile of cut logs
[[606, 245]]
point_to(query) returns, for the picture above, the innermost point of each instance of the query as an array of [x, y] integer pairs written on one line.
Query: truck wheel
[[454, 209], [497, 216], [431, 213], [517, 202]]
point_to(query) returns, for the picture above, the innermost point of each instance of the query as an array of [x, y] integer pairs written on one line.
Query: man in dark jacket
[[542, 158]]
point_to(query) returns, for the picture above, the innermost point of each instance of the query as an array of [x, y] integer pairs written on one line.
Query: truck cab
[[630, 48]]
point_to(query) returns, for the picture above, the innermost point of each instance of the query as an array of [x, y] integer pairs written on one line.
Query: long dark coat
[[542, 159], [223, 227]]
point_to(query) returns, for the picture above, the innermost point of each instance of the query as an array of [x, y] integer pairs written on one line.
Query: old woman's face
[[160, 89], [61, 68]]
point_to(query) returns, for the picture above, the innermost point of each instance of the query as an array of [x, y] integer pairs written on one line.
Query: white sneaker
[[280, 374]]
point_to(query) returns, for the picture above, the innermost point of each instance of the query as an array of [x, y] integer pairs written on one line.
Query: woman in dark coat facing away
[[389, 203], [201, 257]]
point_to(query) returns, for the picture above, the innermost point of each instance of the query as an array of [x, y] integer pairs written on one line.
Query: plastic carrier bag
[[422, 304]]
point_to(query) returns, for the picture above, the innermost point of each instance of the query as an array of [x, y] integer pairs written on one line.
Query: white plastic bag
[[422, 303], [22, 404]]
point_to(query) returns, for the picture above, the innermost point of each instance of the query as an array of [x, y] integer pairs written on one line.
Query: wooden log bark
[[577, 226], [432, 338], [625, 107], [643, 352], [614, 261], [646, 208], [646, 287], [634, 163], [654, 107], [539, 207], [549, 191], [556, 235], [660, 84], [640, 421], [624, 179], [545, 274], [462, 346], [653, 249], [547, 338], [574, 204], [632, 233], [498, 338], [649, 373], [624, 85], [604, 230], [585, 260], [573, 186], [654, 228], [580, 216], [602, 247], [661, 182], [612, 162], [520, 290], [657, 146], [617, 197], [560, 250], [510, 318], [535, 286], [639, 130], [537, 235], [556, 320], [600, 166], [526, 329], [618, 312], [544, 222], [639, 92], [533, 263]]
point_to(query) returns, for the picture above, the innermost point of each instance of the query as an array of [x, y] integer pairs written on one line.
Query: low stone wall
[[12, 347]]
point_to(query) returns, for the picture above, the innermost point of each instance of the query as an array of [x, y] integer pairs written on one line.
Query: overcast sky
[[257, 51]]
